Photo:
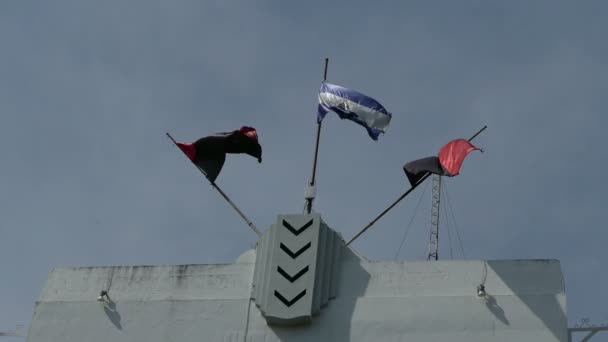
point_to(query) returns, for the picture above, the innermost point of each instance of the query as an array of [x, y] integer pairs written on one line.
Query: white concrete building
[[356, 300]]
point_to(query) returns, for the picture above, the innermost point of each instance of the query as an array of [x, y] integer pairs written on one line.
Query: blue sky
[[88, 89]]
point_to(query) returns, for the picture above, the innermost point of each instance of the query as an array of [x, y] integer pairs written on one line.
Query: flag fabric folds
[[352, 105], [209, 153], [416, 169], [452, 155], [447, 163]]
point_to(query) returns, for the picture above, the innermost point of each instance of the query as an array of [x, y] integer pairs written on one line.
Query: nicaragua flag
[[352, 105]]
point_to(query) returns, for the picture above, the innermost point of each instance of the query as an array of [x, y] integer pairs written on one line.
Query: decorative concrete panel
[[296, 269]]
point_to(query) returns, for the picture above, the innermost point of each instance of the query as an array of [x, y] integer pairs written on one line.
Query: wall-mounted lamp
[[103, 297], [481, 290]]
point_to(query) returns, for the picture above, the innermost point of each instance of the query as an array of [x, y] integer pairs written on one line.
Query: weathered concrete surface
[[377, 301]]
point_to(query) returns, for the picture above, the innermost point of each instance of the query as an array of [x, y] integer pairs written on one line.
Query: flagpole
[[426, 175], [216, 187], [311, 192]]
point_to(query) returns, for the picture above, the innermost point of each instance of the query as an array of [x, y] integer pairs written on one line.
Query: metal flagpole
[[311, 191], [216, 187], [401, 197]]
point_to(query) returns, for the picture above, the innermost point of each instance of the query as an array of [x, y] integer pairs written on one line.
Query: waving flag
[[447, 163], [352, 105], [209, 153]]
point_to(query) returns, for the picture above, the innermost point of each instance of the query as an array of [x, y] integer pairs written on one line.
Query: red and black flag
[[447, 163], [209, 153]]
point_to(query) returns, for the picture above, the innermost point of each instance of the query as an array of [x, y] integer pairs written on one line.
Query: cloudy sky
[[88, 89]]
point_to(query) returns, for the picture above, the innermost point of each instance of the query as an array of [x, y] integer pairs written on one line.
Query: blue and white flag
[[352, 105]]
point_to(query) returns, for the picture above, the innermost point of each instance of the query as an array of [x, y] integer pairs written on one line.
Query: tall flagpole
[[216, 187], [311, 191], [426, 175]]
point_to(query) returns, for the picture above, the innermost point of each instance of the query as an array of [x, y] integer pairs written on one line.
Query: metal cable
[[445, 213], [455, 224], [409, 225]]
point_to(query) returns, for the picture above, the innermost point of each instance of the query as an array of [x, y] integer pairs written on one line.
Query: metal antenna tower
[[434, 237]]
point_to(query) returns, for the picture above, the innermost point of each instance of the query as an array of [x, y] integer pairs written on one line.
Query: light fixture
[[103, 297], [481, 290]]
